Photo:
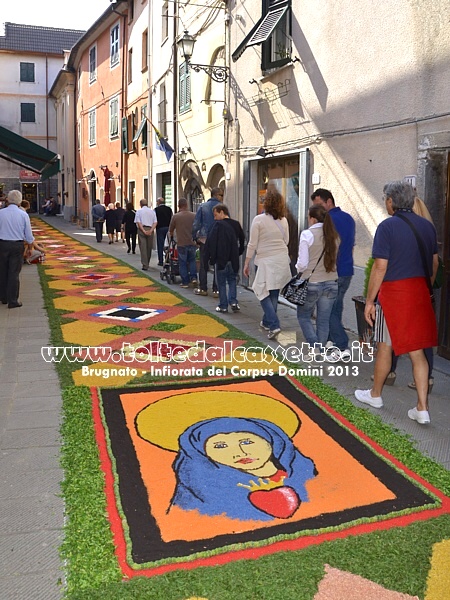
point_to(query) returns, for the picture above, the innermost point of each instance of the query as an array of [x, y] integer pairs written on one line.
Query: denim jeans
[[322, 295], [161, 233], [224, 276], [203, 270], [337, 333], [186, 263], [98, 230], [269, 305]]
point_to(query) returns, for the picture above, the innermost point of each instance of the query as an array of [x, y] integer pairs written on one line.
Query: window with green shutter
[[124, 134], [27, 112], [27, 72], [184, 88]]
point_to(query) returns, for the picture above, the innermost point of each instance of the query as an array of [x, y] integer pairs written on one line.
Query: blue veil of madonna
[[211, 487]]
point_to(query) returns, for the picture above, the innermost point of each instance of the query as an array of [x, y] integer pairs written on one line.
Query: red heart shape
[[280, 502]]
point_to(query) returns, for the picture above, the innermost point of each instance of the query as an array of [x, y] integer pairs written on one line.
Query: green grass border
[[397, 559]]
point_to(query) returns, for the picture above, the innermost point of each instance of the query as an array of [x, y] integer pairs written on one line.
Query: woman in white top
[[317, 252], [269, 238]]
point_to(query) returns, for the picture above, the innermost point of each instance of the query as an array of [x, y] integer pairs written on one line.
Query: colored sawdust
[[194, 324], [73, 303], [355, 488], [161, 298], [88, 333], [340, 585], [438, 582]]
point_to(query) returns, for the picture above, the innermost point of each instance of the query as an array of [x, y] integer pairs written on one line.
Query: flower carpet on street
[[186, 477]]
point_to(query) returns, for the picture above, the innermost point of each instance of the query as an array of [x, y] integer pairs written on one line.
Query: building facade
[[30, 58]]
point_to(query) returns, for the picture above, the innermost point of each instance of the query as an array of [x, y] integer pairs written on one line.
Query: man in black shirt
[[164, 215], [224, 245]]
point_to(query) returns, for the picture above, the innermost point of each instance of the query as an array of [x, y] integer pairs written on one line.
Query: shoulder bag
[[297, 289], [422, 253]]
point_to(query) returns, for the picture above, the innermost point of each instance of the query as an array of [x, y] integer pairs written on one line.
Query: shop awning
[[20, 151]]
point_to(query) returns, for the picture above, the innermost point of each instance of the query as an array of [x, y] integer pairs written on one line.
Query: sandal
[[412, 385]]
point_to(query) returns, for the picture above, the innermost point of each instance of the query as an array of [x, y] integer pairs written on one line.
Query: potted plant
[[365, 331]]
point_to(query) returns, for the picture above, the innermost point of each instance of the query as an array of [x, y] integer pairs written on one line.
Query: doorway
[[30, 193], [444, 320]]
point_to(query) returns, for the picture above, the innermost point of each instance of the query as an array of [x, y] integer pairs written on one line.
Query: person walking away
[[269, 239], [120, 211], [224, 245], [146, 224], [98, 218], [164, 215], [15, 232], [130, 227], [345, 226], [204, 220], [317, 254], [181, 224], [110, 219], [405, 265]]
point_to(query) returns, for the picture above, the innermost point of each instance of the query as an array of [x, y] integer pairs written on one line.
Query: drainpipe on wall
[[46, 115], [175, 108], [150, 102], [123, 158]]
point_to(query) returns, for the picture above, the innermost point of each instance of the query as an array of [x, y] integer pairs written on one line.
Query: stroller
[[170, 270]]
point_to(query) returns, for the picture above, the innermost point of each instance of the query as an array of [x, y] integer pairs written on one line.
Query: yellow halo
[[162, 422]]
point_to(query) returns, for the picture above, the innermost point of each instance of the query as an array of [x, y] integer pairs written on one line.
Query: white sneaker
[[421, 416], [264, 327], [273, 333], [345, 354], [331, 357], [366, 397]]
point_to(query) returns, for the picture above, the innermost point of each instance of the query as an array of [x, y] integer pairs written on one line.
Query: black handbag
[[297, 289]]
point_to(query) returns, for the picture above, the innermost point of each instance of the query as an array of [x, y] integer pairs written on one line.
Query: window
[[130, 10], [28, 112], [79, 135], [92, 64], [92, 128], [134, 128], [130, 65], [184, 88], [145, 50], [273, 33], [124, 135], [27, 72], [115, 45], [165, 21], [142, 129], [114, 118], [162, 110], [79, 81], [144, 126]]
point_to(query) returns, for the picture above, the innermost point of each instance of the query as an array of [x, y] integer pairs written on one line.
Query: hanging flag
[[163, 144]]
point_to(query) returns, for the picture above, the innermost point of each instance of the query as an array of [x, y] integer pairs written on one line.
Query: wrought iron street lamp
[[216, 72]]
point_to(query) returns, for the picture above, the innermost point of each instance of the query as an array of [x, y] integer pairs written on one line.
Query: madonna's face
[[241, 450]]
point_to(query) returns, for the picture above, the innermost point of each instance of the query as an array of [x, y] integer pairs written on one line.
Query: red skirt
[[409, 314]]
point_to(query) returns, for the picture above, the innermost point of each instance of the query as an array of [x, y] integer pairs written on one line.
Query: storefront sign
[[28, 175]]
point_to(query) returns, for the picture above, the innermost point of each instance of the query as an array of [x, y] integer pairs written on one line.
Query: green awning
[[20, 151]]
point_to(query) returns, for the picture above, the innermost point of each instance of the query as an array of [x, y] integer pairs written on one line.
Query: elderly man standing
[[146, 222], [15, 230], [406, 261]]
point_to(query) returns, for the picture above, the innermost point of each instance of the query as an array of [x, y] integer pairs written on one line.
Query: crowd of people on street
[[399, 303]]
